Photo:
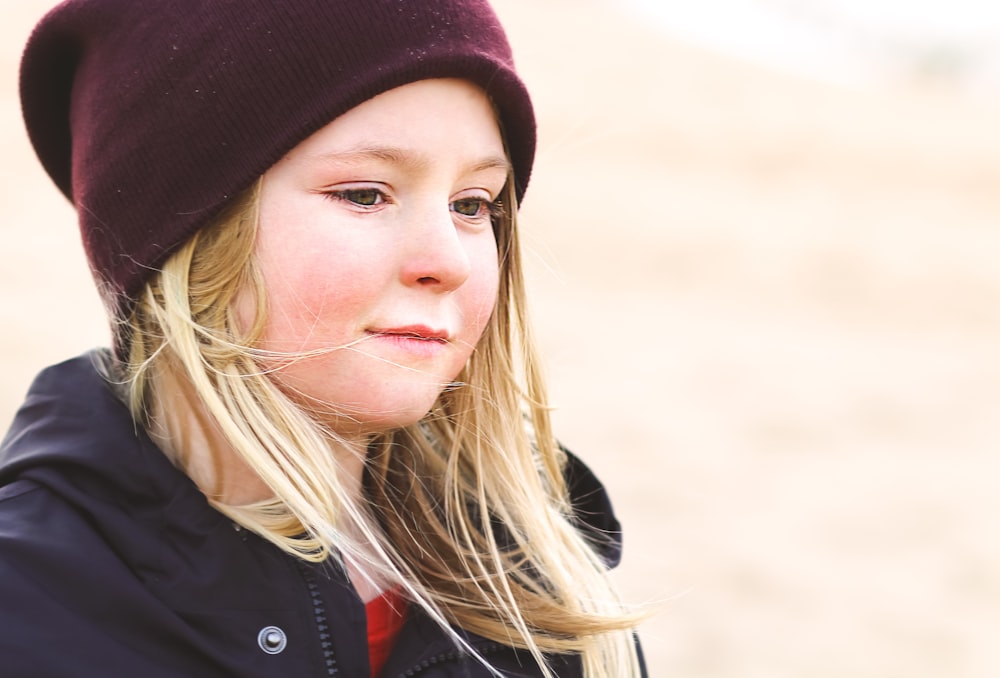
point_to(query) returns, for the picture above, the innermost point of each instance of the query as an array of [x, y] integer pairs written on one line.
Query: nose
[[435, 254]]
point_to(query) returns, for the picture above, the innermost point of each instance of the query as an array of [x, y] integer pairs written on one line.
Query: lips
[[418, 332]]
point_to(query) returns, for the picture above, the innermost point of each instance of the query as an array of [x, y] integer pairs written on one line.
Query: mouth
[[418, 332]]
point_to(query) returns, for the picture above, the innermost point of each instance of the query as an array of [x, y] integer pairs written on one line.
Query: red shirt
[[385, 618]]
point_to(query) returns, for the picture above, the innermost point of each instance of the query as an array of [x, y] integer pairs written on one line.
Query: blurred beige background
[[771, 311]]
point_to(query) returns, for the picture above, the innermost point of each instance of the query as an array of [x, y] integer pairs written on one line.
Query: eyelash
[[492, 210]]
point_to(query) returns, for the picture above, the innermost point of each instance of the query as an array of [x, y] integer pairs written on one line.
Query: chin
[[364, 403], [362, 420]]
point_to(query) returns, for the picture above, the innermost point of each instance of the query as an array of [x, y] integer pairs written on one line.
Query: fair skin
[[378, 254]]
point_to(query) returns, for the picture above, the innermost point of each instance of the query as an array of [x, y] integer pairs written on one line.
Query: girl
[[319, 446]]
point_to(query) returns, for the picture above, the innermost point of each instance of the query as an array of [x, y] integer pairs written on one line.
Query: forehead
[[408, 124]]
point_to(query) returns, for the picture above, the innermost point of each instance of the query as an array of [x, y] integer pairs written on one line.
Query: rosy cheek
[[483, 299], [489, 300]]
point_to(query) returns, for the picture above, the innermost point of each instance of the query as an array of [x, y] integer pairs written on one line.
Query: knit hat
[[151, 116]]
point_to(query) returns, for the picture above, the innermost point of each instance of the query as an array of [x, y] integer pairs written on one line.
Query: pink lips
[[419, 332], [417, 341]]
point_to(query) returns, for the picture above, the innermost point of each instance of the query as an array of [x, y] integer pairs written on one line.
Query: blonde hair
[[467, 511]]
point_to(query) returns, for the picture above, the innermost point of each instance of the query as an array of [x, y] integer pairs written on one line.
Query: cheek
[[480, 295], [312, 300], [312, 306]]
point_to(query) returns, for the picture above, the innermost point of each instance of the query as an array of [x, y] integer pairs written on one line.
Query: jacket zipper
[[319, 615]]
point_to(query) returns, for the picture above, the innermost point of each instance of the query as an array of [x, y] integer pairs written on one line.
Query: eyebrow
[[399, 156]]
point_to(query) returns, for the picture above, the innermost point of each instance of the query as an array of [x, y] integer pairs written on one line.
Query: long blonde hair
[[467, 510]]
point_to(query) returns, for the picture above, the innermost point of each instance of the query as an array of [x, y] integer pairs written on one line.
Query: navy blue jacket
[[112, 563]]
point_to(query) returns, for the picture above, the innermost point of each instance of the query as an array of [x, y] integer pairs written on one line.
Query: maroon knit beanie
[[151, 115]]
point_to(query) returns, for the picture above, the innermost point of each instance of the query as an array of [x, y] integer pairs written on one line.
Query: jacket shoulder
[[73, 603], [54, 573]]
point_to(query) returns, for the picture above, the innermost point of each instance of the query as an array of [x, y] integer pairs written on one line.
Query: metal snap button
[[272, 640]]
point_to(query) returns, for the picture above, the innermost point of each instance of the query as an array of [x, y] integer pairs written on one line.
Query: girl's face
[[376, 241]]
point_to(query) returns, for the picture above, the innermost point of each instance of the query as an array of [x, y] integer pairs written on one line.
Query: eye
[[362, 197], [475, 208]]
